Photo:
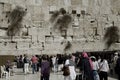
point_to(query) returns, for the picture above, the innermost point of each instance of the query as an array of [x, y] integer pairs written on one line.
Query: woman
[[86, 67], [103, 68], [71, 64], [95, 68], [45, 69], [26, 62]]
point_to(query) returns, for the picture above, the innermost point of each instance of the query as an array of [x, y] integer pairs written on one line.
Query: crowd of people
[[91, 67]]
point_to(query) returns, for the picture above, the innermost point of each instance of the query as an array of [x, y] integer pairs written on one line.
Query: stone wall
[[86, 32]]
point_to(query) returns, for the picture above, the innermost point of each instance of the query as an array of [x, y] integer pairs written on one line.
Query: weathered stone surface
[[85, 33], [22, 45]]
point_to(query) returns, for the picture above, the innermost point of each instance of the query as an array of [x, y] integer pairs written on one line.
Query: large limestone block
[[45, 2], [45, 10], [7, 7], [34, 38], [85, 3], [90, 38], [33, 31], [52, 52], [53, 2], [4, 24], [4, 52], [5, 38], [7, 46], [11, 46], [1, 9], [43, 31], [52, 8], [22, 45], [5, 1], [22, 38], [76, 31], [19, 1], [89, 31], [115, 6], [60, 3], [48, 46], [115, 46], [113, 17], [49, 39], [39, 2], [76, 2], [80, 39], [38, 17], [53, 46], [30, 9], [41, 38], [77, 47], [39, 24], [36, 45], [2, 32], [58, 39], [37, 9], [34, 52], [105, 7], [101, 46], [70, 32], [67, 2], [21, 52], [99, 30], [30, 2], [2, 45], [95, 7]]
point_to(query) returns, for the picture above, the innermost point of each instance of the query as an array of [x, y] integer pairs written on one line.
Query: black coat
[[86, 68], [117, 67]]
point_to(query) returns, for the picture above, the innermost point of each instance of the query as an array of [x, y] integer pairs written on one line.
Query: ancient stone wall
[[85, 33]]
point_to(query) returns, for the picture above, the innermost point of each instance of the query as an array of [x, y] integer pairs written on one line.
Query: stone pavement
[[19, 75]]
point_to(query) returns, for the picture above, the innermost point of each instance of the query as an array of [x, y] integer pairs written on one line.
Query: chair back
[[2, 69]]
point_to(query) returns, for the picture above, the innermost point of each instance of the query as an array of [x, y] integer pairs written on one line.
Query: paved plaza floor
[[19, 75]]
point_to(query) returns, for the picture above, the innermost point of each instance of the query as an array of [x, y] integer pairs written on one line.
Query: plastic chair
[[3, 72]]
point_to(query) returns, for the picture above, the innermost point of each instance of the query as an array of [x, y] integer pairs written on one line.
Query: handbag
[[66, 71]]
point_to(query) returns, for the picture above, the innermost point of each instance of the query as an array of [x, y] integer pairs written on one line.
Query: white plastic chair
[[3, 72]]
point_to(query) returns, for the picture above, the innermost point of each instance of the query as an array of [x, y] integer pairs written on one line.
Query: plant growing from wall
[[61, 20], [68, 46], [111, 36], [15, 18]]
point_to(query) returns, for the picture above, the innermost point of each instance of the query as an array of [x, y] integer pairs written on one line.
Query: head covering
[[116, 53], [85, 55], [93, 57]]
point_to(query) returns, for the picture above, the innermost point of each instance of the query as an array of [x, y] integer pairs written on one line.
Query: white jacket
[[104, 66], [72, 70]]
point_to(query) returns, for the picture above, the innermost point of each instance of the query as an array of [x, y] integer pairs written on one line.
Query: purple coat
[[45, 68]]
